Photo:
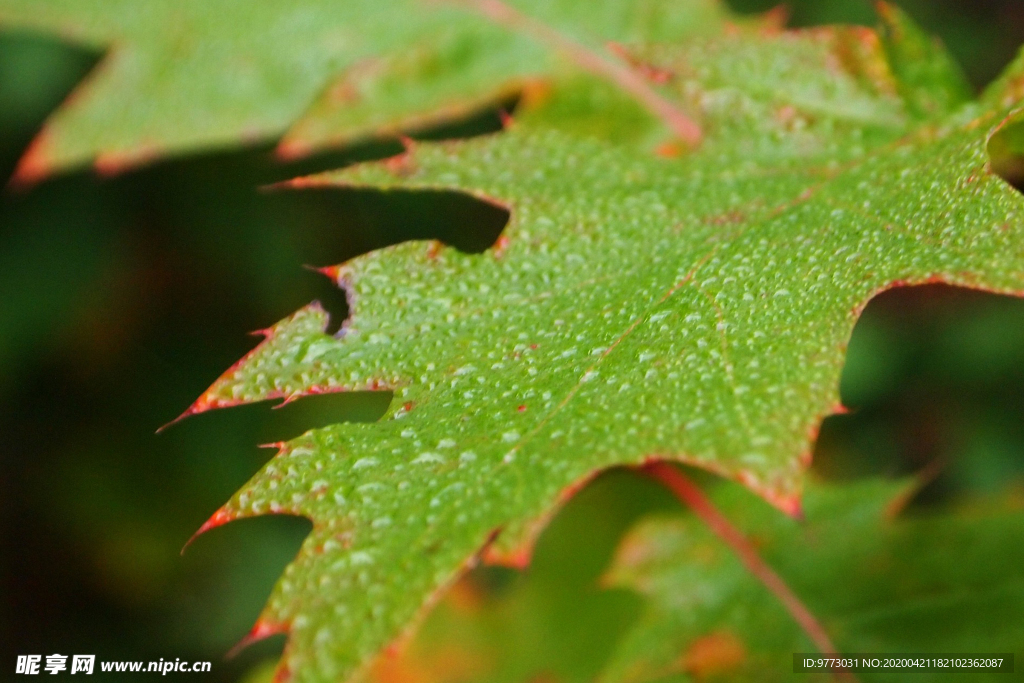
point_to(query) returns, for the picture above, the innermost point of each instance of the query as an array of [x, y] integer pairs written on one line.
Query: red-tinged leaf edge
[[210, 400]]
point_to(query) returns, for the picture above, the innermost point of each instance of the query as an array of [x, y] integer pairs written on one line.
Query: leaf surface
[[690, 306]]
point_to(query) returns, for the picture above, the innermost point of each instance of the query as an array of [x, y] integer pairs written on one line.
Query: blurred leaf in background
[[878, 581], [982, 35], [121, 299]]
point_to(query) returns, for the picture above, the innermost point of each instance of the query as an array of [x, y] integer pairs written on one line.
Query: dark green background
[[122, 299]]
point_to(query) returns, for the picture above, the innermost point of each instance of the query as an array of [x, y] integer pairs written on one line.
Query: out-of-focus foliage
[[878, 581], [980, 34], [121, 298], [188, 75]]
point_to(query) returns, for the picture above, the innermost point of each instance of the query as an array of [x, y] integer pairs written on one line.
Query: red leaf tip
[[792, 505], [516, 558], [263, 628], [208, 401], [114, 163], [500, 246], [34, 165], [291, 149], [331, 272], [218, 518]]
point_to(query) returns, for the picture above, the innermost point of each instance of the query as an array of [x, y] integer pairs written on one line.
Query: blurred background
[[122, 298]]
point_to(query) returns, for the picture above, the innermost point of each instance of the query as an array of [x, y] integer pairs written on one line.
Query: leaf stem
[[691, 495], [623, 76]]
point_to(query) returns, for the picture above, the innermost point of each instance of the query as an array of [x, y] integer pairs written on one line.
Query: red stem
[[691, 495], [623, 76]]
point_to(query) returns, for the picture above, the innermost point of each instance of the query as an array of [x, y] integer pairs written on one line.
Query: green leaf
[[694, 306], [930, 81], [1006, 149], [181, 76], [878, 582]]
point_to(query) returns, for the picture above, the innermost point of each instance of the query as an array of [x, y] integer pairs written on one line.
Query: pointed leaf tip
[[261, 630], [218, 518]]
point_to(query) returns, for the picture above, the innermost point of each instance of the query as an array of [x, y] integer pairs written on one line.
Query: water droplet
[[363, 463], [360, 557]]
